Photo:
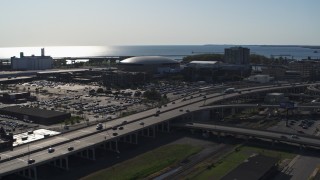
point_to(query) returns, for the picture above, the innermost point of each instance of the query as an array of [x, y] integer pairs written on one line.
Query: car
[[187, 110], [70, 148], [156, 114], [141, 123], [99, 126], [30, 161], [50, 150], [173, 102], [114, 128], [115, 134], [181, 110], [120, 128], [124, 122]]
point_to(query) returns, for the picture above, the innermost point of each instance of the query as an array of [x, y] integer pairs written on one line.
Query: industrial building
[[32, 62], [211, 71], [149, 64], [38, 116], [237, 55]]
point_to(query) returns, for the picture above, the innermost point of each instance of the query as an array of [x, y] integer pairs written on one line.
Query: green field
[[146, 164], [218, 169]]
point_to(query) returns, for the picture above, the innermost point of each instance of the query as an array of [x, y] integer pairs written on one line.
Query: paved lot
[[301, 167]]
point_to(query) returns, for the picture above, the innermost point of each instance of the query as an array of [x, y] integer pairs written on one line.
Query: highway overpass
[[301, 140]]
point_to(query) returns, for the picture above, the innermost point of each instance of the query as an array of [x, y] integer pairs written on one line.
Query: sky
[[158, 22]]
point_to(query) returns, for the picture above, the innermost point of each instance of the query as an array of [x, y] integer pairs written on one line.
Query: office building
[[237, 55]]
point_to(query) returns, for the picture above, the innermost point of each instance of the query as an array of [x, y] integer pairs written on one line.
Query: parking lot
[[79, 100], [305, 126]]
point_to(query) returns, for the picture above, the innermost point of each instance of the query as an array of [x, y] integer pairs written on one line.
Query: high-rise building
[[237, 55]]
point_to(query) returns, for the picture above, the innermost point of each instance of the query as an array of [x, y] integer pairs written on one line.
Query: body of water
[[171, 51]]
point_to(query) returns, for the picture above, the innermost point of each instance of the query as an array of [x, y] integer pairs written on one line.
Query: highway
[[285, 137], [14, 161]]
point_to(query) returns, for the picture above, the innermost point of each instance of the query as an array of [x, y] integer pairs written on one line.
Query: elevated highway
[[87, 139], [300, 140]]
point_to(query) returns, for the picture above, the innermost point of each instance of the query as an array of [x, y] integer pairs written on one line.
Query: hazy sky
[[158, 22]]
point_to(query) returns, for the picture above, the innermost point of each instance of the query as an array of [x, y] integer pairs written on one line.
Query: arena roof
[[148, 60]]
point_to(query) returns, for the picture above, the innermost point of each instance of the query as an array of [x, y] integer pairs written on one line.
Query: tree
[[92, 92], [137, 93], [100, 90], [152, 94]]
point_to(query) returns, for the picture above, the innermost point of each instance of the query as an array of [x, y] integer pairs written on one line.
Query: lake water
[[171, 51]]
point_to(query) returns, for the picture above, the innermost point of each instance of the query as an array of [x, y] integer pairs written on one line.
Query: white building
[[32, 62]]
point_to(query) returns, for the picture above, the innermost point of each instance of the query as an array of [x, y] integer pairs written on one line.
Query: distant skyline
[[162, 22]]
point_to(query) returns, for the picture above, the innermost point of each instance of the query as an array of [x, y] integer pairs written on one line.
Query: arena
[[150, 64]]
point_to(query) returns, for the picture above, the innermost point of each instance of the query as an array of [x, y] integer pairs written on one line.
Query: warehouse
[[38, 116]]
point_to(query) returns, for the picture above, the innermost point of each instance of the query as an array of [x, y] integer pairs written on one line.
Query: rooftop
[[148, 60]]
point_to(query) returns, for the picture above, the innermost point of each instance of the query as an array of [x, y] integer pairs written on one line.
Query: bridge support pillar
[[233, 111], [130, 138], [88, 154], [92, 154], [163, 127], [219, 135], [221, 113], [247, 138], [148, 132], [112, 146], [134, 138], [62, 163], [30, 173], [300, 146]]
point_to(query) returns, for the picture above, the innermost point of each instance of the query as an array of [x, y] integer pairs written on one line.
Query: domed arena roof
[[148, 60]]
